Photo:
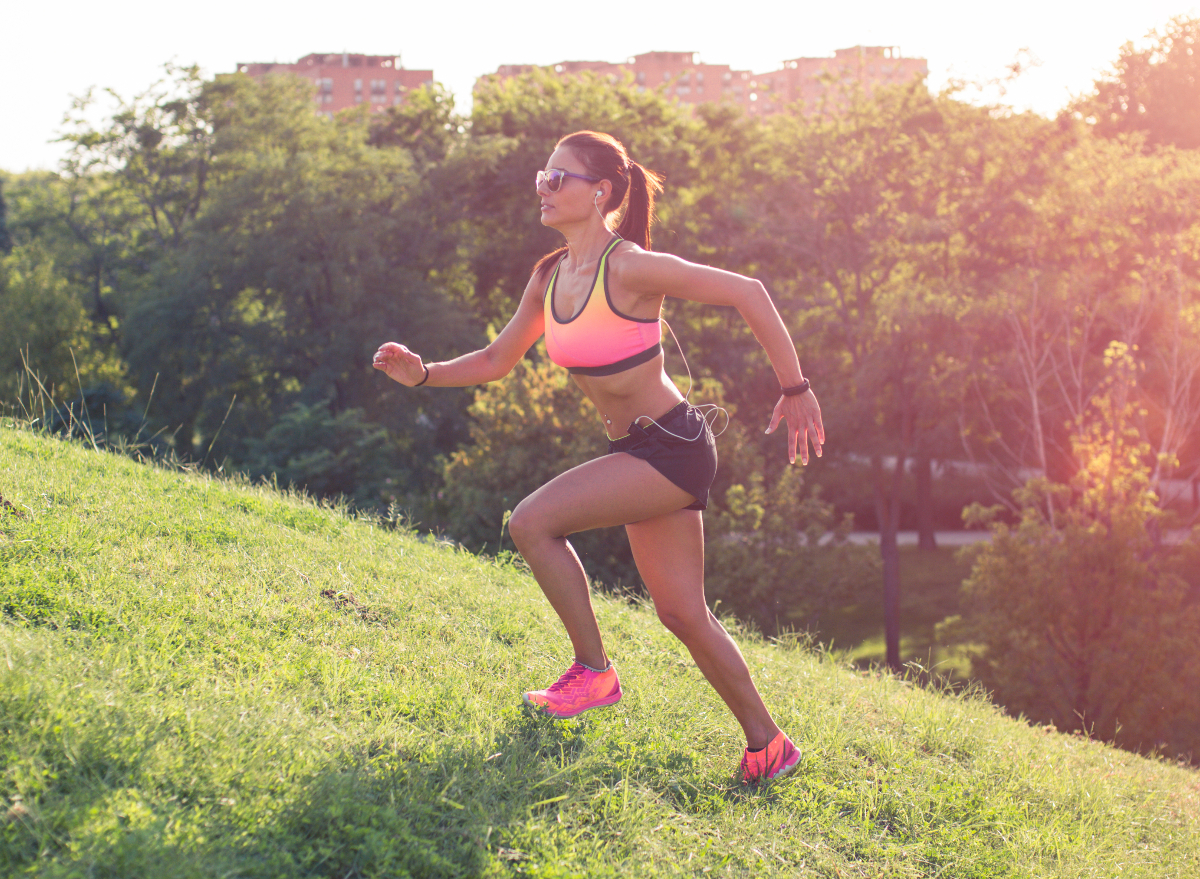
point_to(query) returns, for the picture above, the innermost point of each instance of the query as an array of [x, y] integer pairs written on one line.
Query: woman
[[598, 300]]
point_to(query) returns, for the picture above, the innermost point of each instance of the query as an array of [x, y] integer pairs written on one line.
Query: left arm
[[654, 275]]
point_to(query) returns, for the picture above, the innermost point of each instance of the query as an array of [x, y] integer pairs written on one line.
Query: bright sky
[[55, 50]]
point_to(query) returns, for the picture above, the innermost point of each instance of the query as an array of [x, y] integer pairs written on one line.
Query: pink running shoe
[[576, 691], [774, 761]]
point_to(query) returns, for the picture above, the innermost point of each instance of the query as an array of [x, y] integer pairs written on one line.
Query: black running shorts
[[688, 459]]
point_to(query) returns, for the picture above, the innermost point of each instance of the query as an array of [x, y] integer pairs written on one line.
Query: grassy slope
[[182, 701]]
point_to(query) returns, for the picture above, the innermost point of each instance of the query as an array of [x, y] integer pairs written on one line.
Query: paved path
[[909, 538]]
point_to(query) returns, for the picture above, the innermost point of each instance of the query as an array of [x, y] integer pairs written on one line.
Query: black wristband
[[796, 390], [422, 381]]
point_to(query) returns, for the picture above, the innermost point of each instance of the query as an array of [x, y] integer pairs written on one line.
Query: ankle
[[759, 738], [598, 668]]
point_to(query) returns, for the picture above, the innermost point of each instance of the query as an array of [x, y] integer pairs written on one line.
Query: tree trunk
[[887, 511], [926, 539]]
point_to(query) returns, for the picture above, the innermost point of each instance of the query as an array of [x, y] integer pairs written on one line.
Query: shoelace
[[570, 680]]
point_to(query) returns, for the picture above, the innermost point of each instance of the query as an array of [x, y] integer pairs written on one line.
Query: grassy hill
[[202, 678]]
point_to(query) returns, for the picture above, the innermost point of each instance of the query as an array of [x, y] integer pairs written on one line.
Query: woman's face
[[576, 199]]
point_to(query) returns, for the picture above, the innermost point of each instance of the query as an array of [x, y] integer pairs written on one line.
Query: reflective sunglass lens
[[554, 179]]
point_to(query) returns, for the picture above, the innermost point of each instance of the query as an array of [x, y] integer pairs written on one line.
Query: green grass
[[201, 678]]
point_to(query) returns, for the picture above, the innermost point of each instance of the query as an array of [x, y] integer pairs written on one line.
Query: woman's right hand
[[399, 363]]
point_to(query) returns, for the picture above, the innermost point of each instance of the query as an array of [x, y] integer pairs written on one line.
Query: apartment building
[[811, 80], [682, 74], [344, 79]]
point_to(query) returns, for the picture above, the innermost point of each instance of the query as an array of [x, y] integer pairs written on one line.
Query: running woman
[[598, 301]]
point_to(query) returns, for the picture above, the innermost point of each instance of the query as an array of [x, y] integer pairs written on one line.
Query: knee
[[524, 525], [686, 625]]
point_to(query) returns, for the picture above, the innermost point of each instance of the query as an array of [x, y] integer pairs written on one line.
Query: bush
[[1082, 616], [778, 557]]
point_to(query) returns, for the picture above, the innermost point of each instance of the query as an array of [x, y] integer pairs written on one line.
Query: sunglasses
[[555, 176]]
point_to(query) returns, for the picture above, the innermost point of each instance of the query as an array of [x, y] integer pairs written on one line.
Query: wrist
[[425, 379], [796, 389]]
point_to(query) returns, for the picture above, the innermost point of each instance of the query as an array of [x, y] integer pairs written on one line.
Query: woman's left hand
[[803, 414]]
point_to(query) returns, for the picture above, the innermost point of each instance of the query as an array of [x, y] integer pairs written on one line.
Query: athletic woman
[[598, 300]]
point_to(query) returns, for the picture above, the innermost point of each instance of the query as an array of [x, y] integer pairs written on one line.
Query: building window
[[358, 91], [378, 91], [666, 76], [641, 77]]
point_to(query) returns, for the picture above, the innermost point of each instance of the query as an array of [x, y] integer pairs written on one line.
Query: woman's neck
[[586, 243]]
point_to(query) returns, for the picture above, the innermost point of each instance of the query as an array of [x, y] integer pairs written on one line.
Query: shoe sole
[[785, 769], [560, 715]]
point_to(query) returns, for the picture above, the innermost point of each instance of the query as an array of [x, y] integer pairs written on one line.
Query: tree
[[778, 556], [1103, 252], [1087, 619], [6, 243], [870, 210], [1154, 90]]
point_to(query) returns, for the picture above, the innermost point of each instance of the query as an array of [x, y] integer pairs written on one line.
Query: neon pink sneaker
[[576, 691], [774, 761]]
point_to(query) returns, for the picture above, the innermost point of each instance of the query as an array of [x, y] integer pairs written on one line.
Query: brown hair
[[603, 156]]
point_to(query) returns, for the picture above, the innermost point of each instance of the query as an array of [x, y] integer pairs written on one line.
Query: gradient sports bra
[[599, 340]]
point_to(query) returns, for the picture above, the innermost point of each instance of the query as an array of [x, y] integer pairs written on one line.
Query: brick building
[[683, 74], [342, 79], [689, 81], [812, 79]]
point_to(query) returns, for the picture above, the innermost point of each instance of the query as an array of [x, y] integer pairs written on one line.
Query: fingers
[[393, 353], [804, 425], [776, 416]]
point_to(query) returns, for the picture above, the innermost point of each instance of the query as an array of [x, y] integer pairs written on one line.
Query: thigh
[[613, 490], [669, 553]]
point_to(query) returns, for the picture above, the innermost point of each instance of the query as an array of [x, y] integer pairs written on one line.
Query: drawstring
[[713, 410]]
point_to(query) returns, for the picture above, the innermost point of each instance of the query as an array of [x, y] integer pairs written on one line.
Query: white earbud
[[599, 192]]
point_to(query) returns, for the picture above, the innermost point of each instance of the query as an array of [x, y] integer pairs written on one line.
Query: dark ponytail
[[605, 157], [644, 187]]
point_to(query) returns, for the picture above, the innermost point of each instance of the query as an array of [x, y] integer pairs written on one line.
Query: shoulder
[[647, 273], [645, 270]]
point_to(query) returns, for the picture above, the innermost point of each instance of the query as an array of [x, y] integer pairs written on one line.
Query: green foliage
[[6, 242], [279, 247], [44, 327], [1082, 616], [332, 455], [227, 716], [779, 558], [426, 125], [1154, 90]]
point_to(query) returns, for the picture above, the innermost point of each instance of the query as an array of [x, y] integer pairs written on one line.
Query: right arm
[[485, 365]]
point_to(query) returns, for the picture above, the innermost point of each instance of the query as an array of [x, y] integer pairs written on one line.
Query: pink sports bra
[[599, 340]]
